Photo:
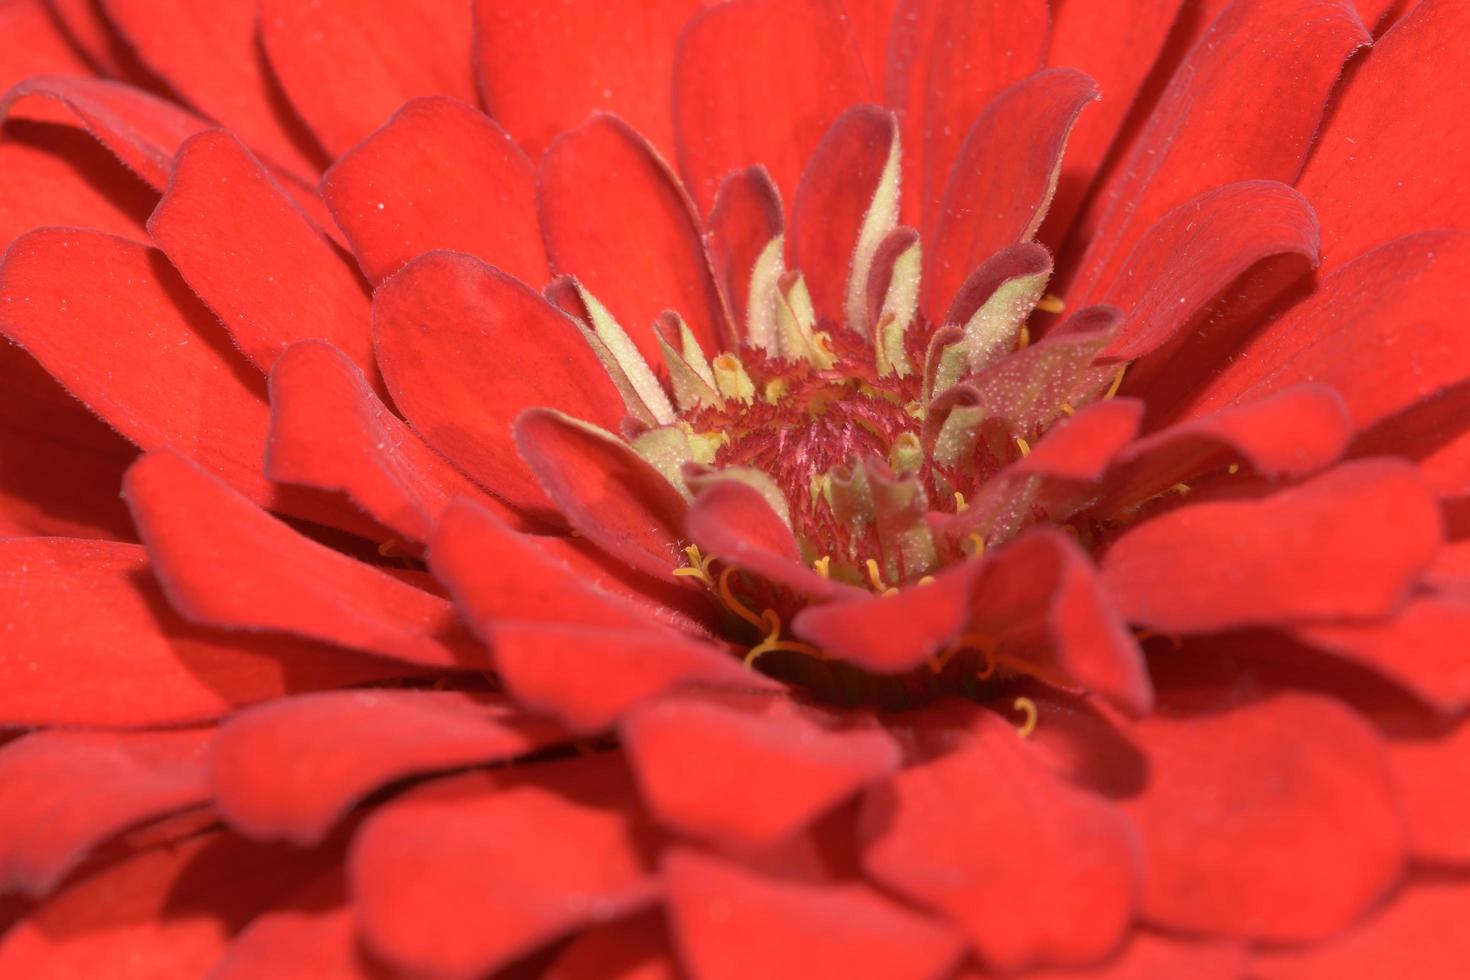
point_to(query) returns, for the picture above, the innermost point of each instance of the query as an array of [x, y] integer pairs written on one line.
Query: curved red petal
[[1152, 957], [1004, 176], [1275, 821], [730, 923], [466, 874], [1081, 447], [265, 268], [634, 949], [1355, 177], [1350, 332], [832, 201], [225, 562], [64, 793], [465, 348], [987, 836], [329, 430], [313, 935], [615, 217], [439, 174], [734, 522], [766, 99], [746, 217], [544, 68], [609, 493], [1346, 543], [782, 770], [34, 44], [1198, 249], [92, 641], [61, 175], [1433, 777], [292, 768], [128, 920], [347, 64], [214, 62], [588, 678], [1260, 58]]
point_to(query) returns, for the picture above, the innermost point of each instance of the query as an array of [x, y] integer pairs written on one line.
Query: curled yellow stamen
[[823, 566], [1024, 446], [1027, 707], [1117, 382], [1051, 303], [976, 540], [772, 625], [735, 605], [960, 504], [698, 567], [875, 578]]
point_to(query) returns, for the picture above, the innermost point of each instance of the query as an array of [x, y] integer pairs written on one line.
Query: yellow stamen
[[823, 566], [1067, 407], [875, 578], [1024, 446], [1051, 303], [772, 624], [735, 605], [1233, 469], [1027, 707], [1117, 382], [976, 540], [960, 504], [926, 580], [1024, 339], [698, 567]]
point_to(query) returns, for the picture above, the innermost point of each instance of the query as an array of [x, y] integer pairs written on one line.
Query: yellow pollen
[[1233, 469], [823, 566], [875, 578], [1051, 303], [1117, 382], [697, 568], [1024, 339], [960, 505], [1027, 707], [1024, 446]]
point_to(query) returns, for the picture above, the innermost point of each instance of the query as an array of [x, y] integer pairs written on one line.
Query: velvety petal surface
[[466, 874], [57, 174], [465, 348], [1275, 820], [439, 174], [1433, 775], [293, 767], [201, 535]]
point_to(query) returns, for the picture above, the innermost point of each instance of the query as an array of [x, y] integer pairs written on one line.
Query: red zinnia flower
[[885, 545]]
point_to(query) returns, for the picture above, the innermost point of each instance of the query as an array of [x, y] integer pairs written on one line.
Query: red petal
[[733, 521], [635, 949], [59, 466], [1260, 59], [347, 64], [313, 936], [544, 68], [1350, 332], [615, 217], [1081, 447], [947, 60], [466, 874], [465, 349], [1421, 933], [1346, 543], [871, 20], [74, 300], [745, 218], [224, 562], [1198, 249], [892, 633], [439, 174], [64, 793], [59, 175], [34, 44], [92, 641], [766, 99], [1041, 600], [782, 770], [588, 678], [1374, 138], [1276, 821], [1291, 432], [1151, 957], [497, 574], [1117, 44], [249, 252], [292, 768], [142, 130], [1433, 777], [164, 912], [730, 924], [214, 60], [1421, 647], [606, 491], [1004, 176], [832, 200], [990, 838], [1450, 570], [330, 431]]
